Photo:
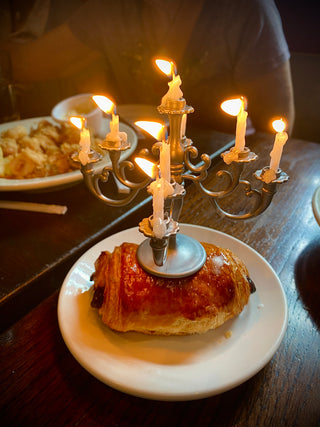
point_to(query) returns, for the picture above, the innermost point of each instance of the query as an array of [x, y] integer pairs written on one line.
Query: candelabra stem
[[175, 110], [159, 250], [176, 148]]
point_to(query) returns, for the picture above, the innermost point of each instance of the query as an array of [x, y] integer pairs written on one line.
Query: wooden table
[[42, 384], [38, 249]]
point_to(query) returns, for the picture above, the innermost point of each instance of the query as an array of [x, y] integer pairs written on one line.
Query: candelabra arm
[[118, 168], [201, 170], [263, 199], [92, 181], [232, 181]]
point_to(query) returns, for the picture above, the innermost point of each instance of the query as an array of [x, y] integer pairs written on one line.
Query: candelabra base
[[185, 256]]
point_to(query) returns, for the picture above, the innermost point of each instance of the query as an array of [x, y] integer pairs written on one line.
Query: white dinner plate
[[64, 179], [174, 367]]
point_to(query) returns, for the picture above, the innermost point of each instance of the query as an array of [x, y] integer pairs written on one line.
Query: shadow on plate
[[308, 279]]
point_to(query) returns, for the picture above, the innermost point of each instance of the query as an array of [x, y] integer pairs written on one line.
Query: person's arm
[[271, 96], [57, 54]]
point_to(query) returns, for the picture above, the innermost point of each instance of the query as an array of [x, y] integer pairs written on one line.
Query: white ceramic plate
[[65, 179], [174, 368], [316, 204]]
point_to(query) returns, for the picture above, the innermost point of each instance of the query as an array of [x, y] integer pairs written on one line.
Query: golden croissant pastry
[[130, 299]]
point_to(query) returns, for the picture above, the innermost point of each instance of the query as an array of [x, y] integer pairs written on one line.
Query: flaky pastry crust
[[130, 299]]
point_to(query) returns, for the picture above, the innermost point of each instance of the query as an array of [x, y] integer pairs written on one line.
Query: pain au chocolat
[[130, 299]]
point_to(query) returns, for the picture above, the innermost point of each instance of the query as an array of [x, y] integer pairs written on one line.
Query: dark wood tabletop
[[41, 244], [41, 382]]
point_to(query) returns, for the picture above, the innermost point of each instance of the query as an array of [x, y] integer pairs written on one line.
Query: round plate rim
[[54, 181], [160, 394]]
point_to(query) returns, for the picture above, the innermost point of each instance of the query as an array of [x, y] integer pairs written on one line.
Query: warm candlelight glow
[[115, 137], [160, 189], [77, 121], [280, 139], [155, 129], [235, 107], [105, 104], [158, 131], [156, 188], [84, 142], [147, 166], [279, 125], [167, 67], [114, 125], [174, 93], [232, 106], [183, 126], [165, 161]]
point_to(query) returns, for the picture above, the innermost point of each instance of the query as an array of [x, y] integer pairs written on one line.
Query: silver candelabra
[[176, 255]]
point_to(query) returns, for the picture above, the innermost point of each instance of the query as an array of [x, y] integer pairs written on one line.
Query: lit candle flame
[[147, 166], [279, 125], [105, 104], [235, 107], [232, 106], [276, 153], [155, 129], [84, 142], [167, 67], [77, 122]]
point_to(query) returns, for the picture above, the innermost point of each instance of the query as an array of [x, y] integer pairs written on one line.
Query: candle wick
[[173, 70], [243, 103]]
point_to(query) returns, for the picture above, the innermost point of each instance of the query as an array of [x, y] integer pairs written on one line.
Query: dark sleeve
[[256, 41], [91, 23]]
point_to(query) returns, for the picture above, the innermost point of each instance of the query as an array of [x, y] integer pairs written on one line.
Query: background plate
[[65, 179], [174, 368], [316, 204]]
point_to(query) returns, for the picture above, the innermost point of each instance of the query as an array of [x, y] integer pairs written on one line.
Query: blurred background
[[22, 20], [300, 20]]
